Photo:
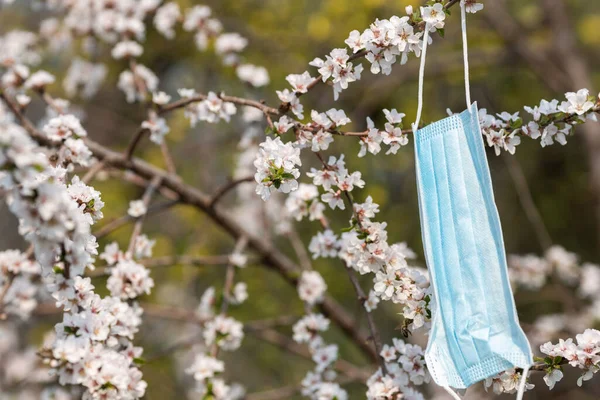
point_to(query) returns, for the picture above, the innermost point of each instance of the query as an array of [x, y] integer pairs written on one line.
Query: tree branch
[[223, 190]]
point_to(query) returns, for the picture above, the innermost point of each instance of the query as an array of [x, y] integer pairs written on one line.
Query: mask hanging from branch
[[475, 333]]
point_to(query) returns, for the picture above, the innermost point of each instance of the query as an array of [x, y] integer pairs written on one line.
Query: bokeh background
[[521, 52]]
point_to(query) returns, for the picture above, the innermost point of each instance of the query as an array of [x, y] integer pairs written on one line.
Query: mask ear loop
[[452, 393], [463, 13], [463, 20], [421, 78], [522, 383]]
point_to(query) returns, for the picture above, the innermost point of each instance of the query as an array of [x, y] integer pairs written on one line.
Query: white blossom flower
[[129, 280], [63, 127], [226, 332], [300, 82], [137, 208], [205, 367], [472, 6], [127, 49], [165, 19], [276, 167], [579, 102], [160, 98], [39, 80], [434, 16], [254, 75], [157, 127], [311, 287]]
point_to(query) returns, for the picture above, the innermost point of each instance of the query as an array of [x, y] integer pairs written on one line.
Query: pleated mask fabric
[[476, 332]]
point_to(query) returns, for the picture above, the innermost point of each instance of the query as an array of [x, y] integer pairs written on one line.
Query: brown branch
[[92, 172], [526, 200], [4, 292], [299, 249], [223, 190], [230, 275], [230, 99], [288, 345], [134, 142], [287, 392], [167, 157], [137, 228], [169, 261], [125, 219]]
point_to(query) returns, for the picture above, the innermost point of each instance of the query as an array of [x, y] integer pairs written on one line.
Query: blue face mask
[[476, 332]]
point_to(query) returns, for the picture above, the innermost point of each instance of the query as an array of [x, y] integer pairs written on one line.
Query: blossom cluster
[[583, 353], [276, 167], [405, 365], [364, 247], [218, 332], [19, 274], [392, 136], [506, 382], [26, 373], [92, 345], [532, 272], [212, 109], [320, 382], [551, 121]]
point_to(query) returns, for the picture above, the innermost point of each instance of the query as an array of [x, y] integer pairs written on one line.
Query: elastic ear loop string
[[463, 14], [463, 23], [522, 383], [451, 393], [421, 78]]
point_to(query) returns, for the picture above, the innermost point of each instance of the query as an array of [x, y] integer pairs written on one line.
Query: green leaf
[[442, 32], [516, 124], [287, 175], [557, 360]]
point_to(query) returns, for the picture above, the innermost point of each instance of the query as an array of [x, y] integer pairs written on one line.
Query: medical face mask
[[475, 333]]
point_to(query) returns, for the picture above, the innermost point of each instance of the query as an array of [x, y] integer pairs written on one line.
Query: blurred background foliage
[[284, 36]]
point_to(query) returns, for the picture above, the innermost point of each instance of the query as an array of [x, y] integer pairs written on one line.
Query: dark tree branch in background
[[526, 200], [223, 190], [137, 228], [125, 219], [230, 275]]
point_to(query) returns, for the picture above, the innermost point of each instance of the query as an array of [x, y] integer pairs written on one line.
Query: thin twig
[[169, 163], [223, 190], [92, 172], [169, 261], [137, 228], [134, 142], [287, 344], [230, 99], [3, 293], [125, 219], [526, 200], [230, 275], [299, 249]]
